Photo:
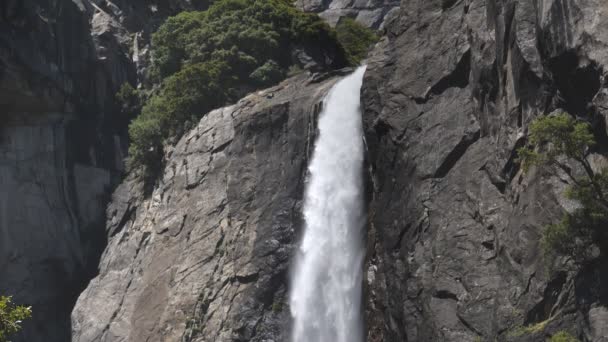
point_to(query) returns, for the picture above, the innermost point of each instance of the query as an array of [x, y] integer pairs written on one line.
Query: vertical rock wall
[[62, 144], [455, 225]]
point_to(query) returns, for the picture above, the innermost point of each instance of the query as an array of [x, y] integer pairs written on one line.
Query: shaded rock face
[[205, 257], [62, 145], [56, 159], [50, 237], [371, 13], [453, 242]]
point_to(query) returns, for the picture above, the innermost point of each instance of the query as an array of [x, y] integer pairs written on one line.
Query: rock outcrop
[[205, 256], [371, 13], [453, 249]]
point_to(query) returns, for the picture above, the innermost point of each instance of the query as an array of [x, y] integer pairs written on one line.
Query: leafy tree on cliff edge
[[11, 316], [204, 60], [355, 38], [558, 143]]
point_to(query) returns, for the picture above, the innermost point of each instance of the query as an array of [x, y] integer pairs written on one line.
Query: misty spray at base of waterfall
[[325, 296]]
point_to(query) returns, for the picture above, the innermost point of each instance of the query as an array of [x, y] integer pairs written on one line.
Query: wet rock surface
[[454, 227]]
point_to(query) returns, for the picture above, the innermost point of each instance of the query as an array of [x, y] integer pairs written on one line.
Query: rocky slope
[[205, 255], [453, 250]]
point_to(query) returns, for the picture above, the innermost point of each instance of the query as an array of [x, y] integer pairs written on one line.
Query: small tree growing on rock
[[557, 142], [11, 317], [129, 100], [356, 39]]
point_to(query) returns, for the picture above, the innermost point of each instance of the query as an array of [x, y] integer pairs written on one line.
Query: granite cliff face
[[205, 256], [454, 225], [57, 156], [453, 249]]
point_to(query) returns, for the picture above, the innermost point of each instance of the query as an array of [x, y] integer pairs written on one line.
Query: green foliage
[[206, 59], [245, 34], [563, 336], [127, 94], [269, 73], [184, 97], [558, 237], [355, 38], [565, 140], [565, 136], [530, 329], [129, 100], [11, 317], [277, 307]]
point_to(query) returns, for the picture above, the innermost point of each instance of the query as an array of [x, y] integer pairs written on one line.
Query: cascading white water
[[325, 296]]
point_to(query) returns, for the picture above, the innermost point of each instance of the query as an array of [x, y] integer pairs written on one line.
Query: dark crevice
[[123, 221], [577, 84], [512, 165], [591, 284], [444, 294], [509, 18], [488, 245], [250, 278], [598, 124], [499, 182], [401, 235], [542, 311], [458, 78], [447, 4], [468, 325], [520, 118], [382, 128], [454, 156], [222, 147]]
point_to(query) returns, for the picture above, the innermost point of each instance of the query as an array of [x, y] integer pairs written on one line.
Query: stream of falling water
[[325, 297]]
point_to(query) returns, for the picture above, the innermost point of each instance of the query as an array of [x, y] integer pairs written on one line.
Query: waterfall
[[325, 297]]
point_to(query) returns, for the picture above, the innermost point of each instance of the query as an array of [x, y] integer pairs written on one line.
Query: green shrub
[[564, 137], [556, 141], [11, 317], [184, 97], [530, 329], [207, 59], [277, 307], [129, 100], [355, 38], [246, 34], [563, 336], [267, 74]]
